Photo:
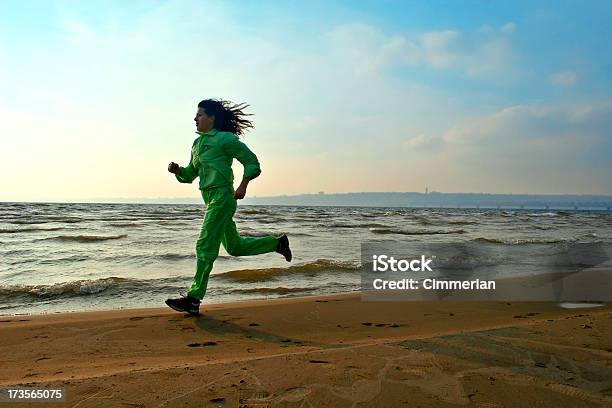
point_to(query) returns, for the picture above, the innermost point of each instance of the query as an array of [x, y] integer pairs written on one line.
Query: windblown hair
[[228, 117]]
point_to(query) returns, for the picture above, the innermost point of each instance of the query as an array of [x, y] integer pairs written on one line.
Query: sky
[[97, 97]]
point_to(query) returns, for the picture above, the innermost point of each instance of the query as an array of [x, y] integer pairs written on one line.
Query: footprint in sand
[[220, 399], [208, 343], [526, 315], [378, 324], [295, 394]]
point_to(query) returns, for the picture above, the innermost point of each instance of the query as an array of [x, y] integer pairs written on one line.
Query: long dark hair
[[228, 117]]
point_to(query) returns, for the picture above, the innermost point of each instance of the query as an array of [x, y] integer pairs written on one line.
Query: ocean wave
[[528, 241], [424, 221], [58, 260], [299, 234], [125, 225], [267, 220], [252, 211], [86, 287], [27, 222], [349, 225], [296, 219], [67, 289], [541, 227], [249, 232], [86, 238], [547, 214], [278, 291], [34, 229], [176, 257], [193, 210], [461, 222], [47, 220], [144, 258], [370, 215], [414, 232], [390, 213], [318, 266], [140, 218]]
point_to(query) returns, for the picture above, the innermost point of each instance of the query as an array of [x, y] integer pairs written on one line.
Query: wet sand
[[326, 351]]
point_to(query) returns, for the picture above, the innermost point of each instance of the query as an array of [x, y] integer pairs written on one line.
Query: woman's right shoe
[[185, 304], [283, 247]]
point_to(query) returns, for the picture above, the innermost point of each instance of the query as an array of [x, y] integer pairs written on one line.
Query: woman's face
[[204, 122]]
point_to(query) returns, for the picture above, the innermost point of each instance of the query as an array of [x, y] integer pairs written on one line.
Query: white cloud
[[543, 148], [563, 78], [493, 58], [441, 49], [420, 142], [526, 122], [508, 27], [367, 49]]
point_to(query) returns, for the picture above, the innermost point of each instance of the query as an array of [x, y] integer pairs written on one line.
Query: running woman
[[219, 123]]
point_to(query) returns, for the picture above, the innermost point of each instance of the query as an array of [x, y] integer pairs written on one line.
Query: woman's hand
[[173, 168], [241, 190]]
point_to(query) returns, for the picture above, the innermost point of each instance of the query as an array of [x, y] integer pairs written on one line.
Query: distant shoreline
[[433, 200]]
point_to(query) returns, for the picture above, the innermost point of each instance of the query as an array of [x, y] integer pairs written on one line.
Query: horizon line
[[109, 200]]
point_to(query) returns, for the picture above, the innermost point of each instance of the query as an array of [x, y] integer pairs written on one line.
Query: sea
[[63, 257]]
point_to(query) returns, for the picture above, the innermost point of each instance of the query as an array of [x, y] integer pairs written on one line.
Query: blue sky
[[502, 97]]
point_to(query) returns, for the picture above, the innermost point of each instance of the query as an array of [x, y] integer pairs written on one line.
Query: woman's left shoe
[[283, 247]]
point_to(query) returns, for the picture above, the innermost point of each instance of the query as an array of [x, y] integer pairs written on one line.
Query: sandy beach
[[332, 351]]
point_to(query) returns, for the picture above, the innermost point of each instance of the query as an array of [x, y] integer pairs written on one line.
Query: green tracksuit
[[212, 154]]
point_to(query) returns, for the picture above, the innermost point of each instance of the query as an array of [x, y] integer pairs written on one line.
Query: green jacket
[[211, 159]]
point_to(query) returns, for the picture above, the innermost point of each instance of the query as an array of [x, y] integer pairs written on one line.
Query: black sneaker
[[185, 304], [283, 247]]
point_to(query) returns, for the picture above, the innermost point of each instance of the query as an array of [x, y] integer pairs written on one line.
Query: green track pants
[[219, 228]]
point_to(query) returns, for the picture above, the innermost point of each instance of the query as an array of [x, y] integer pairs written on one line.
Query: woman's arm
[[184, 174], [238, 150]]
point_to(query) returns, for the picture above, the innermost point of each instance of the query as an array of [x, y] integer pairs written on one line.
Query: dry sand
[[327, 351]]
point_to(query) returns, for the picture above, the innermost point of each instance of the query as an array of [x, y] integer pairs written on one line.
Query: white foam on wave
[[579, 305]]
